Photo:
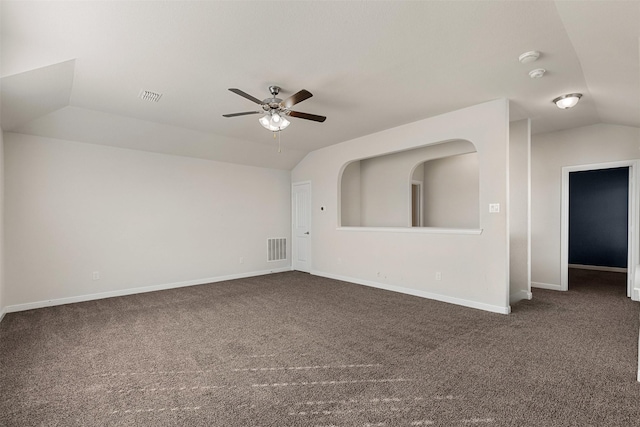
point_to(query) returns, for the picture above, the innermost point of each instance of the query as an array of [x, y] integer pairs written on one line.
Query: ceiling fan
[[275, 110]]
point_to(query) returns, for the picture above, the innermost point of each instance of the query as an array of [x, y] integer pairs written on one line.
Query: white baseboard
[[131, 291], [2, 313], [418, 293], [598, 268], [551, 286], [519, 296]]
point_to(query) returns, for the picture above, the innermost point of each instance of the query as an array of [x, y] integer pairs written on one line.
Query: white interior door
[[301, 215]]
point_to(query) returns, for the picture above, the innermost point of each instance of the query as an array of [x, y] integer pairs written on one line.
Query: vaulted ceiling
[[74, 70]]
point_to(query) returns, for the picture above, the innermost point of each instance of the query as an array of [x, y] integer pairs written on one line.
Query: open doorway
[[599, 227], [599, 208]]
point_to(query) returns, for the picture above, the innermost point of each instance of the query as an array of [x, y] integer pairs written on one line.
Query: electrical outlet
[[96, 275], [241, 260], [438, 275]]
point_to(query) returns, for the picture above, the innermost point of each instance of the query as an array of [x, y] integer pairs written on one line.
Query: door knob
[[306, 232]]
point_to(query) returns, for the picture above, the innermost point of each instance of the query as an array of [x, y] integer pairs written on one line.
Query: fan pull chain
[[279, 143]]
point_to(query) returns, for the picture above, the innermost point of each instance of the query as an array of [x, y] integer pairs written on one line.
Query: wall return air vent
[[148, 95], [277, 249]]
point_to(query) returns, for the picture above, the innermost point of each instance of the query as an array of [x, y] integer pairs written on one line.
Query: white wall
[[143, 220], [451, 191], [550, 152], [418, 174], [383, 188], [519, 202], [2, 291], [473, 266], [350, 195]]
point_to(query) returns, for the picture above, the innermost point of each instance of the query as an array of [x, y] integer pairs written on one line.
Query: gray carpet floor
[[292, 349]]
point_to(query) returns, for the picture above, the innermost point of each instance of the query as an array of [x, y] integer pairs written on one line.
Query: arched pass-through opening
[[435, 186], [450, 191]]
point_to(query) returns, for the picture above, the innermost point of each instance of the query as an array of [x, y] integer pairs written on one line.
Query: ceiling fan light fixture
[[264, 121], [282, 123], [275, 111], [274, 122], [567, 101]]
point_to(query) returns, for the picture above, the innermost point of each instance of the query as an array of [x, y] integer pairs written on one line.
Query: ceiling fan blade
[[246, 95], [242, 114], [307, 116], [295, 98]]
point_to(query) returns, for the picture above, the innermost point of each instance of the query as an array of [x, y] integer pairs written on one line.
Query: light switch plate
[[494, 207]]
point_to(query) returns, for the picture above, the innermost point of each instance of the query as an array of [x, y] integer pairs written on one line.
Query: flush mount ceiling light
[[567, 101], [530, 56]]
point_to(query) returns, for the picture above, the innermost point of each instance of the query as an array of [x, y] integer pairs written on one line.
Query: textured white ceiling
[[370, 66]]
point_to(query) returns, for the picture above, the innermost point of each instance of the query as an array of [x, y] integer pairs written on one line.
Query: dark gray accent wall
[[598, 217]]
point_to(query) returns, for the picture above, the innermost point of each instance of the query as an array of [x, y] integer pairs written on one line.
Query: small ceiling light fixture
[[567, 101], [530, 56], [537, 73]]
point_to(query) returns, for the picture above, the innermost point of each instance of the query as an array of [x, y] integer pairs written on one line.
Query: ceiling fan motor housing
[[272, 103], [274, 90]]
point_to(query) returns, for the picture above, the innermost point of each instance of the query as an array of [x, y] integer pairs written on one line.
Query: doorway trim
[[632, 226]]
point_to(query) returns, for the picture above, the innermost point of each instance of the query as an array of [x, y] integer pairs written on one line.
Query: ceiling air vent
[[148, 95]]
